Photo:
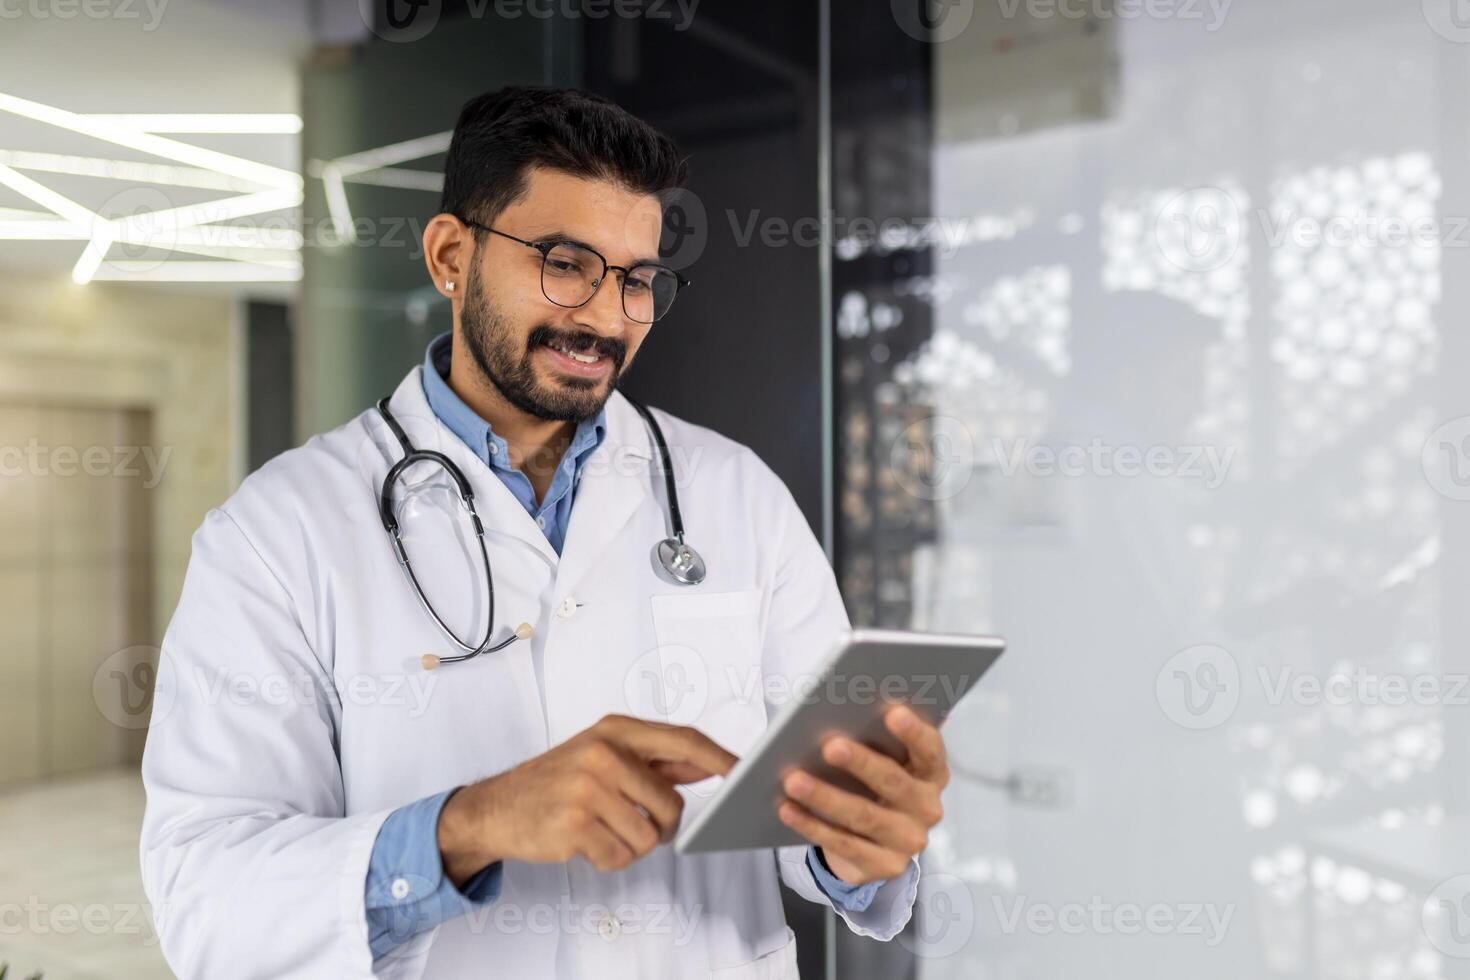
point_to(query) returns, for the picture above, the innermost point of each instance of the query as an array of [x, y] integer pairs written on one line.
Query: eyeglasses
[[571, 274]]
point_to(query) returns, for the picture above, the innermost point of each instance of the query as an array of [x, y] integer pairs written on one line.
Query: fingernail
[[839, 751], [799, 784], [902, 718]]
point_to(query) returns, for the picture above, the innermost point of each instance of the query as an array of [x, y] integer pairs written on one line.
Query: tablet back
[[930, 672]]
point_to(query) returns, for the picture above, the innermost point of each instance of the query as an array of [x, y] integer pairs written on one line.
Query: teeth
[[580, 358]]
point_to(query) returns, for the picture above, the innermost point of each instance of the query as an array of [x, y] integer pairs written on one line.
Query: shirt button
[[400, 888], [494, 449], [568, 608], [541, 522], [610, 927]]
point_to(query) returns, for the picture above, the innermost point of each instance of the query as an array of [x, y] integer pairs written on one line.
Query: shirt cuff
[[406, 892], [853, 898]]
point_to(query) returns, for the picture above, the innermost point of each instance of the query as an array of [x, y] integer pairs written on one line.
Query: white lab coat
[[291, 716]]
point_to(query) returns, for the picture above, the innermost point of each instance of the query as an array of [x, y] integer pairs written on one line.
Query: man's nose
[[603, 313]]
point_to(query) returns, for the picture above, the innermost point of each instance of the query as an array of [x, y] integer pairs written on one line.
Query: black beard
[[510, 368]]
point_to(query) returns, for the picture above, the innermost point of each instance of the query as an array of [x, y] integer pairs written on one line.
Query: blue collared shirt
[[406, 892], [552, 513]]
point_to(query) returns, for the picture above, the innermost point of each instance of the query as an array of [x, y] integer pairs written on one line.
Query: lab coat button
[[568, 608], [400, 888], [609, 928]]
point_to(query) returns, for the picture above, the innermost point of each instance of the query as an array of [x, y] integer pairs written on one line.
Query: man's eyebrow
[[562, 236]]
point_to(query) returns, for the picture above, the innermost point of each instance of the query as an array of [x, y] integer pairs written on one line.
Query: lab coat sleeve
[[803, 619], [250, 863]]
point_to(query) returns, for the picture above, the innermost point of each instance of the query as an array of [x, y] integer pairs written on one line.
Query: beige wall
[[168, 358]]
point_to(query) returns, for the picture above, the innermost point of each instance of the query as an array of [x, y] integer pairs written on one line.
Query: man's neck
[[536, 445]]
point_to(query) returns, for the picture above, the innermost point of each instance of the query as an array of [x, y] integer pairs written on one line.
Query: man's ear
[[449, 248]]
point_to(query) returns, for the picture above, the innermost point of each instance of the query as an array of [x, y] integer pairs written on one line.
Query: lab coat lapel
[[499, 510], [616, 480]]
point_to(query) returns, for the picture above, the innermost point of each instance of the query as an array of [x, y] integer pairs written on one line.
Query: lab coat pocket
[[779, 964], [709, 657]]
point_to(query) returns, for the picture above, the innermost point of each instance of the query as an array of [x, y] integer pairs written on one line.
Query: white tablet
[[870, 670]]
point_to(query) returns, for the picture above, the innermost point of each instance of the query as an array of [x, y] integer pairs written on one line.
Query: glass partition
[[1156, 378]]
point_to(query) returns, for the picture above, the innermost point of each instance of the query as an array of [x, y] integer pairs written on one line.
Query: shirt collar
[[474, 431]]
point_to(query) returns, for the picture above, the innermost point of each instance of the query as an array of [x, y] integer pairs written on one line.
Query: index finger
[[925, 744], [657, 742]]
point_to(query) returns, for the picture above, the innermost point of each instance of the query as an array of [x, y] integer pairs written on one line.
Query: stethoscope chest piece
[[678, 561]]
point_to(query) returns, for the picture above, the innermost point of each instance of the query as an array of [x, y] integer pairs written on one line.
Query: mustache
[[579, 341]]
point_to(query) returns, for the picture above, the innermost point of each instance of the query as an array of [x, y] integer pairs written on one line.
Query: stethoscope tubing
[[413, 455]]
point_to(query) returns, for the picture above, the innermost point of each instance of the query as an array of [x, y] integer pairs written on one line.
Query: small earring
[[449, 285]]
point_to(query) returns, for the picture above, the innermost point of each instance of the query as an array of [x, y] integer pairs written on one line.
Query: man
[[509, 815]]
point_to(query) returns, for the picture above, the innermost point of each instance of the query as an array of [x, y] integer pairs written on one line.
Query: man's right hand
[[606, 794]]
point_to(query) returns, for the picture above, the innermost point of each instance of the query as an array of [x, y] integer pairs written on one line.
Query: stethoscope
[[672, 557]]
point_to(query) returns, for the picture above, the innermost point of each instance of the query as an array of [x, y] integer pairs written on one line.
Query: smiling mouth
[[586, 364], [580, 358]]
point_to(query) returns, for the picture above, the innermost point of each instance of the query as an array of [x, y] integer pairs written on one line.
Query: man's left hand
[[864, 840]]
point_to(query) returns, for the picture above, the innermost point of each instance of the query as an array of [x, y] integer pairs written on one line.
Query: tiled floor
[[71, 900]]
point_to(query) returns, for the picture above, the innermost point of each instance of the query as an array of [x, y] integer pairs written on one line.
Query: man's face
[[550, 361]]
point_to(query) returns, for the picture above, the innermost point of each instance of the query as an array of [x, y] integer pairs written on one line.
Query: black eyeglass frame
[[545, 249]]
